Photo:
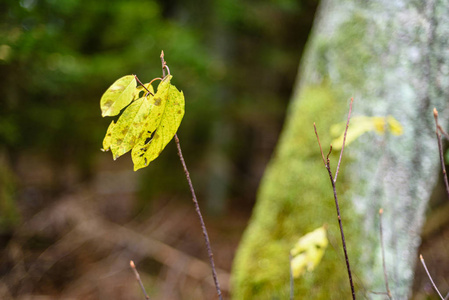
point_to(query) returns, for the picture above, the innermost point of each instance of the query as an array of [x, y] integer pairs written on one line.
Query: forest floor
[[79, 245]]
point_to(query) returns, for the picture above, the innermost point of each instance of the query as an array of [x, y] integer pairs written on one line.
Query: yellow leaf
[[122, 135], [362, 124], [394, 126], [308, 251], [108, 137], [163, 122], [128, 129], [118, 96]]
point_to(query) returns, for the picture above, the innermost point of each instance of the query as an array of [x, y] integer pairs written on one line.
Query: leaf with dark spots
[[171, 101], [118, 96]]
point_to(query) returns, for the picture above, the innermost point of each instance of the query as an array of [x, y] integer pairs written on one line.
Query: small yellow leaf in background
[[362, 124], [308, 251], [394, 126]]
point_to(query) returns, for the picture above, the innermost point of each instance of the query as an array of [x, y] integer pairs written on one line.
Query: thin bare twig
[[447, 296], [319, 144], [194, 199], [203, 225], [430, 277], [381, 211], [154, 79], [164, 65], [443, 132], [344, 140], [133, 267], [327, 157], [140, 82], [327, 165], [440, 149]]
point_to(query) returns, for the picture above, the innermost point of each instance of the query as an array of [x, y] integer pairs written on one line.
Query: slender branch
[[344, 140], [446, 135], [168, 69], [319, 143], [440, 149], [341, 232], [447, 297], [327, 165], [133, 267], [203, 225], [164, 65], [157, 78], [430, 277], [381, 211], [329, 153], [140, 82], [292, 293]]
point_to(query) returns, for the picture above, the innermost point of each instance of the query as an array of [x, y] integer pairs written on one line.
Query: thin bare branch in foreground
[[383, 254], [200, 217], [344, 140], [443, 132], [440, 149], [319, 144], [133, 267], [430, 277], [327, 165]]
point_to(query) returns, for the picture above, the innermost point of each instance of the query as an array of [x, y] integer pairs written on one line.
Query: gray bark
[[393, 58]]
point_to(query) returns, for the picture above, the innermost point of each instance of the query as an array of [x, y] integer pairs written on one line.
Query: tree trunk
[[393, 58]]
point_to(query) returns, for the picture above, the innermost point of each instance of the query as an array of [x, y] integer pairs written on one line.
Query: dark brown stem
[[440, 149], [383, 254], [329, 153], [319, 144], [164, 65], [133, 267], [430, 277], [344, 140], [446, 135], [200, 217], [140, 82], [327, 165], [341, 231]]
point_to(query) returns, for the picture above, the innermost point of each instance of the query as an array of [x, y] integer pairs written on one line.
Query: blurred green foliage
[[236, 62]]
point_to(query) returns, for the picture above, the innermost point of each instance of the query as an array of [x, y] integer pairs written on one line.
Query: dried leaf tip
[[381, 211], [131, 263], [435, 112]]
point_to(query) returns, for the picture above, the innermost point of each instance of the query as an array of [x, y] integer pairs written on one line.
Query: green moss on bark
[[296, 197]]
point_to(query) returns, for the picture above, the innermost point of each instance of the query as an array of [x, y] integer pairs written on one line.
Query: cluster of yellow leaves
[[308, 251], [149, 121], [362, 124]]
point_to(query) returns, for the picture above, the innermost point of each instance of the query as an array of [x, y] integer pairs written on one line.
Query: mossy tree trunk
[[393, 58]]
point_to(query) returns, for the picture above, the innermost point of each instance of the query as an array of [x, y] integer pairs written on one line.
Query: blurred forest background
[[71, 218], [236, 62]]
